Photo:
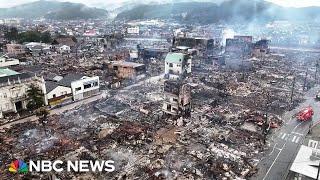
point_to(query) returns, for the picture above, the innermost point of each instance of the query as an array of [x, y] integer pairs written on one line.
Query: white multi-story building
[[177, 65], [13, 90], [72, 87], [81, 86], [85, 87]]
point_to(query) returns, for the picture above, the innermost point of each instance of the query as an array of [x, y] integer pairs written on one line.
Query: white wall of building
[[176, 68], [86, 85], [189, 62], [64, 49], [14, 92], [133, 30], [59, 91], [134, 54]]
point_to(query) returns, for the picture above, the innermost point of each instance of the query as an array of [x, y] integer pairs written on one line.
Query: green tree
[[29, 36], [35, 98], [46, 37], [11, 34], [34, 36]]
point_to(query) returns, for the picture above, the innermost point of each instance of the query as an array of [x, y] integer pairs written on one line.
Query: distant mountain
[[52, 10], [232, 10], [127, 4]]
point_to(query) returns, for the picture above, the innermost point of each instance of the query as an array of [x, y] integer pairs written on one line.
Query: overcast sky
[[296, 3], [291, 3]]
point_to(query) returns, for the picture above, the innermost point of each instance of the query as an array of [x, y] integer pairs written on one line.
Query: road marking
[[296, 126], [294, 138], [283, 136], [297, 141], [274, 161], [280, 134], [298, 133], [273, 149]]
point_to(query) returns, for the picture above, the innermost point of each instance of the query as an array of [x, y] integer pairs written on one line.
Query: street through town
[[285, 142]]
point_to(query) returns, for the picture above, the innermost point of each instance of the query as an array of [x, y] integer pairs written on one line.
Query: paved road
[[57, 111], [62, 109], [286, 141]]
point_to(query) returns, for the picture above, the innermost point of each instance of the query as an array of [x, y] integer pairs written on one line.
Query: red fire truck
[[305, 114]]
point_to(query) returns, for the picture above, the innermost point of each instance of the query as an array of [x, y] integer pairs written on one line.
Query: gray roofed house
[[66, 81], [50, 85], [65, 41], [50, 76], [53, 77], [57, 93]]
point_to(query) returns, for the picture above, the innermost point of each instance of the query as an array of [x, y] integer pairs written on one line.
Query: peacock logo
[[18, 166]]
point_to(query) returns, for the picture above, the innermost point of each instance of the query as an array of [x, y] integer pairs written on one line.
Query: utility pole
[[242, 68], [265, 128], [305, 80], [292, 89], [310, 127], [316, 73], [266, 125], [318, 171]]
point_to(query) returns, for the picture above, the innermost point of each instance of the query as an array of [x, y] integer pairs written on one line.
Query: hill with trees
[[207, 12], [53, 10]]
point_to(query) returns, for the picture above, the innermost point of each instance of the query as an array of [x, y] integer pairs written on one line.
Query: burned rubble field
[[222, 139]]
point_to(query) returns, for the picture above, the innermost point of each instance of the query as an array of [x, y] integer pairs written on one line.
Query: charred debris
[[189, 113]]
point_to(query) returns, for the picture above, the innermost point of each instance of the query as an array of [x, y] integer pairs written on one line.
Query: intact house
[[57, 94], [64, 42], [13, 90], [128, 70], [77, 86], [85, 87], [64, 49], [177, 65], [71, 87]]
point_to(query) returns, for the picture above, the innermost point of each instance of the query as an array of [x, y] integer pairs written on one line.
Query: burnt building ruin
[[177, 98]]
